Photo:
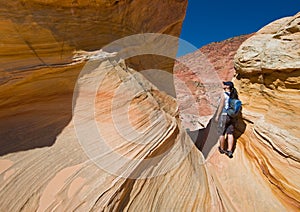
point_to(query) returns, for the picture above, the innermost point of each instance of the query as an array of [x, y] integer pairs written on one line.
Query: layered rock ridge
[[42, 33], [122, 146], [145, 152], [268, 80], [134, 160], [263, 173], [38, 70]]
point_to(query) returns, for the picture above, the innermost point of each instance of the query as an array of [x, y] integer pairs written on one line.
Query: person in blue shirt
[[226, 124]]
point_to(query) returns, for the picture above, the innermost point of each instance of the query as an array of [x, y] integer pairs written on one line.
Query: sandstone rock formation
[[140, 162], [123, 147], [263, 175], [268, 70], [44, 33], [40, 155], [38, 71]]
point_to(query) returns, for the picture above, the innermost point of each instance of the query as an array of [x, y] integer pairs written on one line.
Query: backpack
[[235, 106]]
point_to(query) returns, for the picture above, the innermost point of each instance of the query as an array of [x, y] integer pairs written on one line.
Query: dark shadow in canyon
[[34, 125]]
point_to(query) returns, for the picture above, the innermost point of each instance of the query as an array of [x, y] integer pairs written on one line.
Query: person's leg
[[222, 144], [221, 132], [230, 140], [222, 141]]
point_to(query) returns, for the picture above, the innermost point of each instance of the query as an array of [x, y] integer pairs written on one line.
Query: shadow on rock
[[35, 125], [205, 139]]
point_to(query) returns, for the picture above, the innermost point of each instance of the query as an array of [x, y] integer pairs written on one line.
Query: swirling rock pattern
[[268, 81], [38, 69], [50, 160], [263, 174], [62, 178]]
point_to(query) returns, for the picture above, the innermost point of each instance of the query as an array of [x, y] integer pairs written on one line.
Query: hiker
[[226, 121]]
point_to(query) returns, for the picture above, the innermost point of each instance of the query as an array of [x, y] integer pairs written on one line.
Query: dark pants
[[226, 125]]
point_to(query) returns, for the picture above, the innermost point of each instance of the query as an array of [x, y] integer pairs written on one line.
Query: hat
[[229, 83]]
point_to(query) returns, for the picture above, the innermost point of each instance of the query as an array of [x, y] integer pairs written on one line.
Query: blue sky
[[209, 21]]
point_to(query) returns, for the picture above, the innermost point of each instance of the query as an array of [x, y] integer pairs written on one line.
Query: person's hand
[[216, 119]]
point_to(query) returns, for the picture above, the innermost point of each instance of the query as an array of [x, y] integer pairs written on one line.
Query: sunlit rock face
[[267, 154], [43, 165], [263, 174], [123, 146], [135, 160], [38, 65]]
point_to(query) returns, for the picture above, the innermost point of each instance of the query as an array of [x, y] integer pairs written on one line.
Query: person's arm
[[220, 108]]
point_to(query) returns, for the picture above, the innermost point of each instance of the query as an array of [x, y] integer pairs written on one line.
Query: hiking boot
[[229, 154], [221, 150]]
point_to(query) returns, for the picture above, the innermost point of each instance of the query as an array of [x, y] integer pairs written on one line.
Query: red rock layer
[[199, 77]]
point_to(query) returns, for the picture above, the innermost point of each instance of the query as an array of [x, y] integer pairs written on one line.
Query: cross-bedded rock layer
[[124, 147]]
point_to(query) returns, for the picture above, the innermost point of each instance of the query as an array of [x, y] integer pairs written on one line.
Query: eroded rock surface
[[262, 175], [124, 146], [266, 161], [38, 68], [139, 161]]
